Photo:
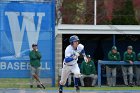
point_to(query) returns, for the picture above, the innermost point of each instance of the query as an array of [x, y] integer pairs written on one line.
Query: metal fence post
[[99, 74]]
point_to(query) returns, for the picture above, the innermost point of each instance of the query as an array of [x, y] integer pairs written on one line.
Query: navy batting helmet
[[73, 39]]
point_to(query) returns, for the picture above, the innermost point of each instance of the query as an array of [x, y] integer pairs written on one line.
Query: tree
[[125, 15], [73, 12]]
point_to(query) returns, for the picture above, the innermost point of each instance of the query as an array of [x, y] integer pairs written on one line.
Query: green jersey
[[35, 57], [88, 68], [128, 57], [114, 56]]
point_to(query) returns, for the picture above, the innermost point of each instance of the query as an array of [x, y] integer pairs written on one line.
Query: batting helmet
[[73, 39]]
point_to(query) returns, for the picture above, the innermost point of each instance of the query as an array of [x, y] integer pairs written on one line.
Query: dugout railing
[[120, 63]]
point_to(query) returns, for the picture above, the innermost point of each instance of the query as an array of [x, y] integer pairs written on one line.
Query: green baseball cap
[[88, 56], [130, 47], [114, 48]]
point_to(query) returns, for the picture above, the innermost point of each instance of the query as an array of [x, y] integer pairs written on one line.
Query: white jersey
[[69, 51]]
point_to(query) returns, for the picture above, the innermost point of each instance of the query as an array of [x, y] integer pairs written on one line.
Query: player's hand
[[85, 58], [75, 57], [115, 57], [131, 62], [77, 54]]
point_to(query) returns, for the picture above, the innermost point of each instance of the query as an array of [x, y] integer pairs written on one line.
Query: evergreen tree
[[125, 15]]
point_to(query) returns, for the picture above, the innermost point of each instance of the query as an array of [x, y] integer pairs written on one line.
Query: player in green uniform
[[129, 57], [88, 70], [113, 55]]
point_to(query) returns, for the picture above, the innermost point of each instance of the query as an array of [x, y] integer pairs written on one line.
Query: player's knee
[[95, 77], [130, 74], [124, 75], [77, 75], [33, 74]]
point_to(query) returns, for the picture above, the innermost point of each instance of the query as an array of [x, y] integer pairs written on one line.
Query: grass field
[[24, 84]]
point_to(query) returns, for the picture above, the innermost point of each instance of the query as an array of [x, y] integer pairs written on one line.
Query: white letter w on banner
[[28, 25]]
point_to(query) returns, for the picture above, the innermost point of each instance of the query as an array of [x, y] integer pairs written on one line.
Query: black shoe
[[31, 86], [38, 86], [131, 84], [77, 89], [60, 91]]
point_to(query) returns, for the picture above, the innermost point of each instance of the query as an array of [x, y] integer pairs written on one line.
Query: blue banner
[[21, 25]]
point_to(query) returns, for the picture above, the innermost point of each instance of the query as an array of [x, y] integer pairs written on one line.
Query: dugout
[[99, 39]]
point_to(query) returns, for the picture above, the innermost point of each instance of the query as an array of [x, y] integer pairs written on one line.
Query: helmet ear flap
[[71, 43]]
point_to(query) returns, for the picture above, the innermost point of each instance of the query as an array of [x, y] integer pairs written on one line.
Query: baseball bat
[[37, 79]]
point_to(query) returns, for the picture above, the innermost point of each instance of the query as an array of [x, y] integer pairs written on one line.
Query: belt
[[67, 65]]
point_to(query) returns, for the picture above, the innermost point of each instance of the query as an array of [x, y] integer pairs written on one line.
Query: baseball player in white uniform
[[72, 52]]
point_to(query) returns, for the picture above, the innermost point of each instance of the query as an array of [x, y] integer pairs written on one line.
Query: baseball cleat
[[60, 91], [77, 89]]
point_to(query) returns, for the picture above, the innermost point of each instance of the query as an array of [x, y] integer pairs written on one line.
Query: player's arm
[[68, 59], [32, 56], [38, 54], [134, 58], [94, 68], [69, 56], [118, 57], [84, 55], [110, 56], [82, 51], [125, 58]]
